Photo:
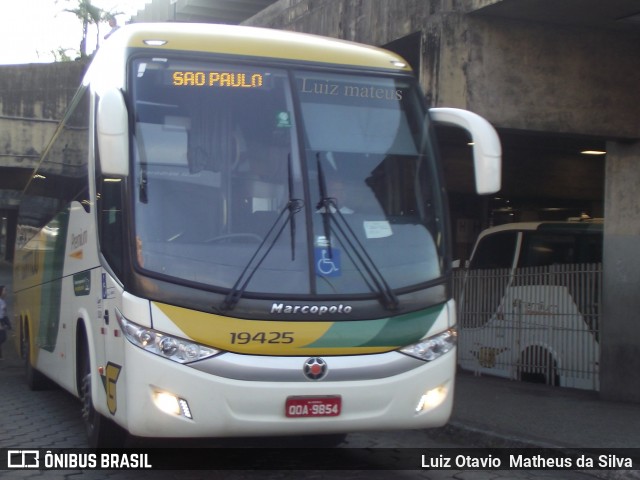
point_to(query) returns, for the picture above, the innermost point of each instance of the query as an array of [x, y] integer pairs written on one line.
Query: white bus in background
[[530, 304]]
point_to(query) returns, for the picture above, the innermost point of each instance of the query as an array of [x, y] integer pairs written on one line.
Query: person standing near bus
[[4, 319]]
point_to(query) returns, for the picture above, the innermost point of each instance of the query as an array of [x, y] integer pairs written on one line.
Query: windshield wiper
[[331, 214], [293, 206], [143, 182], [324, 205]]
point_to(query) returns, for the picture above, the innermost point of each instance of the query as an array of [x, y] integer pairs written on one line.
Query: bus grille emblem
[[315, 368]]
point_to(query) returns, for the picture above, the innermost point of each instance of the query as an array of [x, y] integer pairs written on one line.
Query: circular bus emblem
[[315, 368]]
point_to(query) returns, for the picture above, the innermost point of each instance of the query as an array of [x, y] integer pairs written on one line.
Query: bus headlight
[[167, 346], [428, 349]]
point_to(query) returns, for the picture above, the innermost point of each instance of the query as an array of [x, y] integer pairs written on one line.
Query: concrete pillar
[[620, 330]]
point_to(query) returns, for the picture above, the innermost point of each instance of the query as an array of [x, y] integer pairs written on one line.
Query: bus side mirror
[[487, 152], [113, 133]]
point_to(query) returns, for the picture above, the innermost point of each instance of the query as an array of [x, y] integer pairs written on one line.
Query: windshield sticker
[[283, 120], [377, 229], [327, 262]]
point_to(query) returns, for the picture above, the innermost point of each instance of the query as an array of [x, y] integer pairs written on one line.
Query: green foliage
[[88, 14], [62, 54]]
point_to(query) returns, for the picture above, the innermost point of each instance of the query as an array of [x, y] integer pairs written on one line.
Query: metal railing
[[537, 324]]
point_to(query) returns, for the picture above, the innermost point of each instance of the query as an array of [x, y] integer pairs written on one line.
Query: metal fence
[[537, 324]]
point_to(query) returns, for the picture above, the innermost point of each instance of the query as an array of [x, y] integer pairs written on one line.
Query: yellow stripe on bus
[[258, 337], [259, 42]]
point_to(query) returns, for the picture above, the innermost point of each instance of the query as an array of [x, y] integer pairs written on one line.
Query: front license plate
[[313, 406]]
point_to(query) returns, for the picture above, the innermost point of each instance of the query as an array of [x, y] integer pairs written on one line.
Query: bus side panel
[[108, 346], [81, 292], [37, 274], [536, 330], [54, 288], [550, 334]]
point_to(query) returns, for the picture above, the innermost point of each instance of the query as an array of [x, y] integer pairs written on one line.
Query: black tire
[[35, 379], [101, 432]]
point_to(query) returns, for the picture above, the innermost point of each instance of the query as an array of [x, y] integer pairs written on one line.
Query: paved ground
[[51, 419], [539, 415]]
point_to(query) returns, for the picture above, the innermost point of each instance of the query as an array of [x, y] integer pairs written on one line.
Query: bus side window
[[111, 233], [590, 248], [495, 251], [541, 250]]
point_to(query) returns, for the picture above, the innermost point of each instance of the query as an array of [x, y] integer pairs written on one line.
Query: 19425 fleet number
[[244, 338]]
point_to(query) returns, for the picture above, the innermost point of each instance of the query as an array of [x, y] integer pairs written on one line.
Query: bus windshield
[[283, 181]]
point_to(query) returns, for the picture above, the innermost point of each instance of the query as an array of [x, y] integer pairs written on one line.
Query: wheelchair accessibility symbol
[[327, 263]]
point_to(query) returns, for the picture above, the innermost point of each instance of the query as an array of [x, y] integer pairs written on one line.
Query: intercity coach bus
[[243, 232], [530, 305]]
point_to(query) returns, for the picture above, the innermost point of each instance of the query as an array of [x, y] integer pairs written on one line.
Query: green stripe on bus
[[393, 331], [51, 289]]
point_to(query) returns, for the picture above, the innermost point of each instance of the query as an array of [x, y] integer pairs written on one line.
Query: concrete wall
[[620, 362], [519, 75], [33, 99], [543, 77]]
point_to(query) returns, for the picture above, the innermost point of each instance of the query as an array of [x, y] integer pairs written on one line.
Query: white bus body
[[530, 303], [183, 264]]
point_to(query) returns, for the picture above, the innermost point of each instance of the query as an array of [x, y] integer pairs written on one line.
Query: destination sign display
[[191, 78]]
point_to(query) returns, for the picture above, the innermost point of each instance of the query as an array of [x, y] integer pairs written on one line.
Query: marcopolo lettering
[[311, 309]]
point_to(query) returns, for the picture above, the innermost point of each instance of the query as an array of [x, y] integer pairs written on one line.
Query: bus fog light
[[432, 398], [172, 404], [184, 408]]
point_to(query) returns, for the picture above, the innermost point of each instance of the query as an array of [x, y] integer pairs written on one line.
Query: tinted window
[[225, 197], [590, 248], [111, 223], [541, 249], [495, 251]]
